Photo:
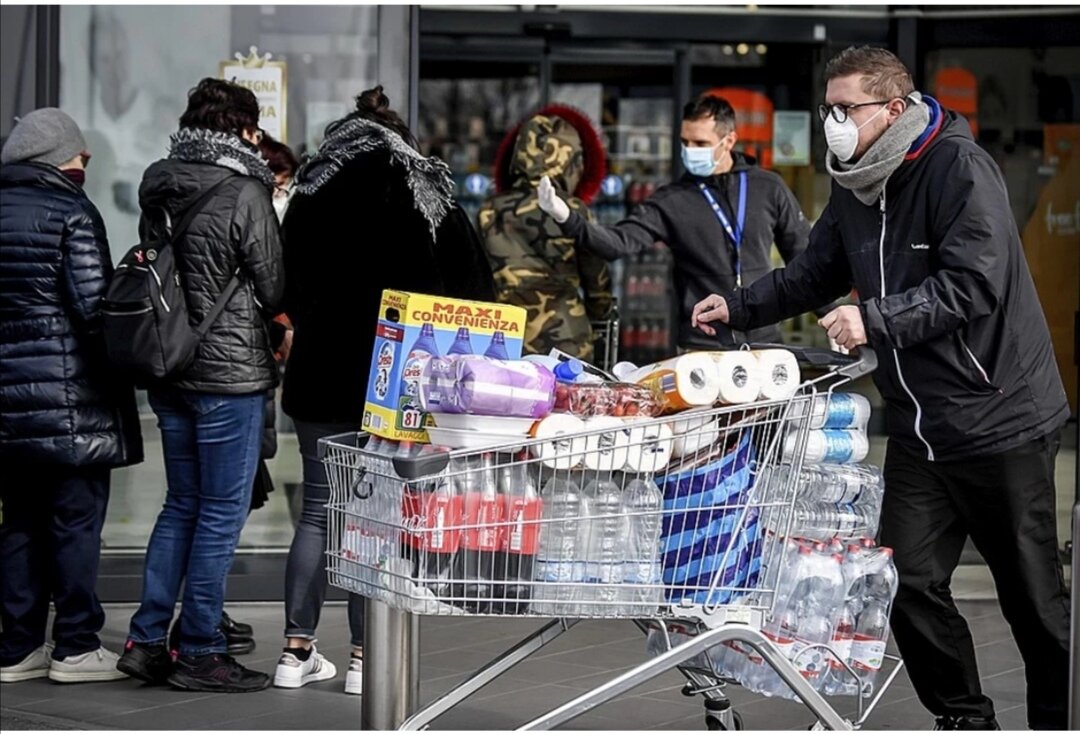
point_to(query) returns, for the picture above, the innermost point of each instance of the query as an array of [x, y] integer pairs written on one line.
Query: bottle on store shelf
[[642, 504], [560, 557], [514, 564]]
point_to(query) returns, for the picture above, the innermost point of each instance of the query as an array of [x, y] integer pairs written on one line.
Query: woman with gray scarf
[[211, 414], [370, 212]]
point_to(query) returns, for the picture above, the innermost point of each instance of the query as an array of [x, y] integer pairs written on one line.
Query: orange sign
[[958, 90], [753, 120]]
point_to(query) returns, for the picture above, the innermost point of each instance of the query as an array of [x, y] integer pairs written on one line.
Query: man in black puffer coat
[[65, 420]]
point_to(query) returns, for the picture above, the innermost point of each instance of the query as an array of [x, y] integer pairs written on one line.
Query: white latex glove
[[550, 201]]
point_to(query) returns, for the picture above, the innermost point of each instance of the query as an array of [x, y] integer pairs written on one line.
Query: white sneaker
[[292, 672], [354, 679], [96, 665], [34, 665]]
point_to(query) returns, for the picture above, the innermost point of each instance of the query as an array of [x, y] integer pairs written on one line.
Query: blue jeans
[[211, 445], [50, 543]]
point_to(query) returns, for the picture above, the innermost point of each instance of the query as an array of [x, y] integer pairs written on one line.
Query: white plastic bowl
[[484, 423], [452, 438]]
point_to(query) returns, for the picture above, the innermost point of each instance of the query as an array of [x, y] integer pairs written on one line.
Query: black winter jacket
[[358, 234], [704, 256], [966, 363], [60, 402], [236, 229]]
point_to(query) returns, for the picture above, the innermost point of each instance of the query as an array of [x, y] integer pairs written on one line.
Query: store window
[[125, 74]]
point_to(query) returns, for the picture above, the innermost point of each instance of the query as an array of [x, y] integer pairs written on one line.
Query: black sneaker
[[216, 673], [148, 663], [232, 628], [239, 638], [966, 723]]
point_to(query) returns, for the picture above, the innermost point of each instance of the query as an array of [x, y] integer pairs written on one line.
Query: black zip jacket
[[236, 229], [966, 363], [703, 254]]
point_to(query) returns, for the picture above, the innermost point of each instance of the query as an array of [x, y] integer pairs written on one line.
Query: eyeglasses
[[840, 112]]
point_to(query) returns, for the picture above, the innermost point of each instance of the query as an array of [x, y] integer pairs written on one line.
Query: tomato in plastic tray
[[609, 398]]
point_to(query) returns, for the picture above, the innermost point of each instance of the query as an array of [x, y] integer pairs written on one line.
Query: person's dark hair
[[221, 106], [712, 106], [372, 104], [279, 157], [884, 76]]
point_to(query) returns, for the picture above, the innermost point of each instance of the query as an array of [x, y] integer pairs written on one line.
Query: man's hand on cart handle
[[550, 202], [844, 325], [711, 308]]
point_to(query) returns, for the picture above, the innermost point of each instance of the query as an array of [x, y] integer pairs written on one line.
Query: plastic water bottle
[[642, 505], [497, 348], [868, 646], [840, 410], [560, 557], [839, 681], [821, 521], [604, 554], [830, 446], [840, 483], [462, 344], [483, 512], [519, 540]]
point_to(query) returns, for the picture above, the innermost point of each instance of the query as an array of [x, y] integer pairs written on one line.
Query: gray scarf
[[427, 178], [198, 145], [866, 177]]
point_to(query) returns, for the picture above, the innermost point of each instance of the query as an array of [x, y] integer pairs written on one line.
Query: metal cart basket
[[576, 528]]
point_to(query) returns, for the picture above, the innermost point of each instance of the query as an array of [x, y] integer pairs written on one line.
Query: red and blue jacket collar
[[937, 117]]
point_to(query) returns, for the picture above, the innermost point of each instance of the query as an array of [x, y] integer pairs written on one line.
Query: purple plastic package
[[482, 386]]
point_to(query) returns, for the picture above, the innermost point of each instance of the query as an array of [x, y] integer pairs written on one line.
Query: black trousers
[[1005, 503], [50, 543]]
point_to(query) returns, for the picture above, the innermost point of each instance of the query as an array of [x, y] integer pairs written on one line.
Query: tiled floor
[[584, 657]]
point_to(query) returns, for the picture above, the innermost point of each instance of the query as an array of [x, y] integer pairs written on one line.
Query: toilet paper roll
[[606, 451], [650, 448], [681, 382], [702, 437], [739, 373], [566, 446], [691, 420], [779, 373]]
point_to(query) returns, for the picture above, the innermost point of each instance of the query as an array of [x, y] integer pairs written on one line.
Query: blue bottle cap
[[568, 371]]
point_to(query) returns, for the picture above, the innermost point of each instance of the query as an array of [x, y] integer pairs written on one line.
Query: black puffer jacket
[[60, 402], [236, 229], [358, 234], [966, 363]]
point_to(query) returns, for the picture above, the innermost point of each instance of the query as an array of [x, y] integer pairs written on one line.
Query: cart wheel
[[713, 723], [688, 690]]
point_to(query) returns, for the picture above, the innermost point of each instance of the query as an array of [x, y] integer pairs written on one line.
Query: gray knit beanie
[[47, 136]]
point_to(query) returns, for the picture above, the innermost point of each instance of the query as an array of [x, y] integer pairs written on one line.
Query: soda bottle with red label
[[514, 564], [441, 536], [481, 537]]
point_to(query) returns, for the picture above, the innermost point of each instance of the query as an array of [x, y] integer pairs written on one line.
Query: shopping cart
[[531, 529]]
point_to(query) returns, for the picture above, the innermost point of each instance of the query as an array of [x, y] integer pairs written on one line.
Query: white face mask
[[843, 137]]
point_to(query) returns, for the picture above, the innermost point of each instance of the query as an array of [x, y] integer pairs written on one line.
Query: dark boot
[[239, 637]]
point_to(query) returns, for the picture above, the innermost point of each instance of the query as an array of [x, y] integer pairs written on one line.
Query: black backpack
[[148, 331]]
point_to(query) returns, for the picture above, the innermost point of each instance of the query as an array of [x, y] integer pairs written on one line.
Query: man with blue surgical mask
[[720, 221]]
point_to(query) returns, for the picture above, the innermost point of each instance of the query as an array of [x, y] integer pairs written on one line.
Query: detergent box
[[413, 328]]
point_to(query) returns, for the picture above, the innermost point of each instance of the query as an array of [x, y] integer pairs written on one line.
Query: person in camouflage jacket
[[535, 265]]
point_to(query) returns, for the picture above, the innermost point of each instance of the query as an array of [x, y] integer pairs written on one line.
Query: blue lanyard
[[736, 233]]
